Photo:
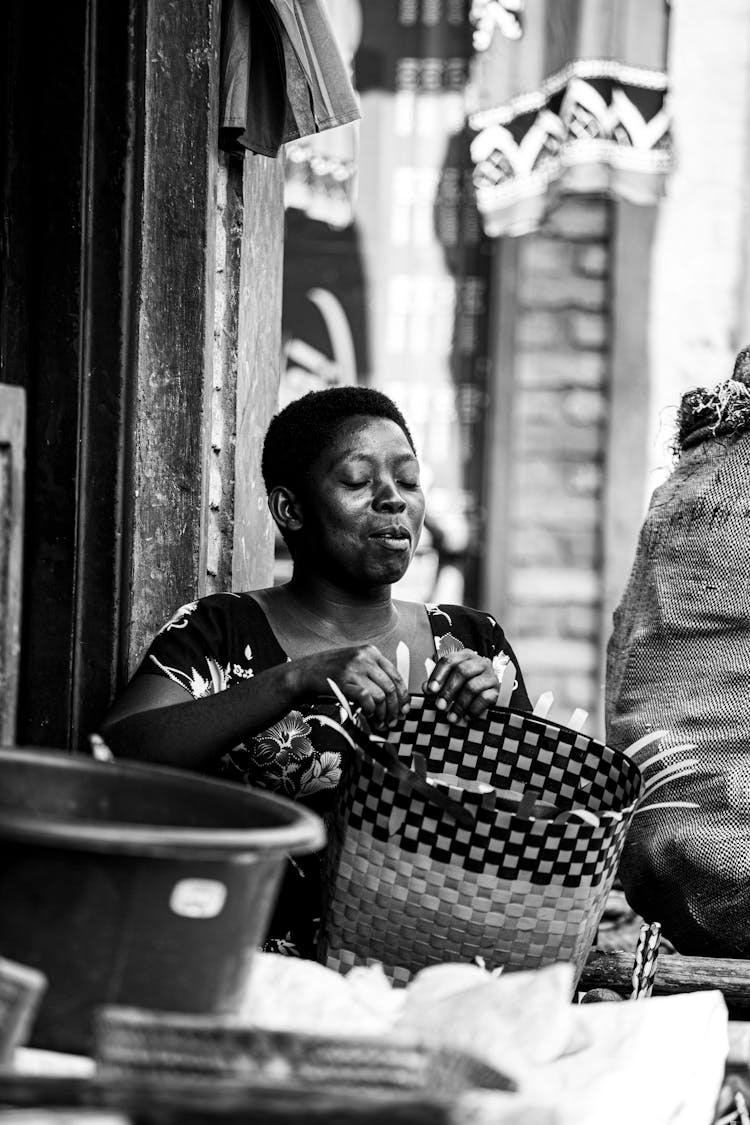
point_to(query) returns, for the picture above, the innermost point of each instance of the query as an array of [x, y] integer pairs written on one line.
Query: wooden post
[[258, 369], [229, 224], [12, 437], [177, 96], [98, 442]]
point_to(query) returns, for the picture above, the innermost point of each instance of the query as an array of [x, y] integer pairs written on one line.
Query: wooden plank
[[104, 287], [258, 369], [177, 99], [21, 990], [221, 473], [674, 973], [173, 1102], [12, 441]]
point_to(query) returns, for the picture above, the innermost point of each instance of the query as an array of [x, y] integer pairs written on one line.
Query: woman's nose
[[388, 498]]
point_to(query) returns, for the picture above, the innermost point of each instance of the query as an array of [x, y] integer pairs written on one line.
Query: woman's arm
[[157, 720]]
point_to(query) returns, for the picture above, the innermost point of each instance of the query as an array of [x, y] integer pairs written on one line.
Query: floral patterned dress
[[214, 643]]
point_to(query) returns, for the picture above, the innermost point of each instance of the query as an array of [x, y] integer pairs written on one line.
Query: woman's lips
[[394, 539]]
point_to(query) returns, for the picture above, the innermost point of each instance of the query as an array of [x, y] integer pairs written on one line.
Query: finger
[[434, 685], [397, 681], [379, 712], [477, 678], [370, 697], [385, 689], [443, 668], [469, 668], [480, 682], [360, 697], [481, 702]]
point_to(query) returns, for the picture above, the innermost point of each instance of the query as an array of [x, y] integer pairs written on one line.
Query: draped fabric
[[321, 170], [283, 76], [570, 96]]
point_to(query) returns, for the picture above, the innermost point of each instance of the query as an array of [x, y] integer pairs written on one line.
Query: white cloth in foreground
[[659, 1061]]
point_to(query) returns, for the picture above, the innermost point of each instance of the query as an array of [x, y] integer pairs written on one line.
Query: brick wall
[[560, 399]]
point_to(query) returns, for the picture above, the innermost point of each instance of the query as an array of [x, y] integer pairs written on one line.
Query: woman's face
[[363, 506]]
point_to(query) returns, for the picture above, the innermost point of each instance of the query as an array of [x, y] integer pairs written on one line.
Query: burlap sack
[[679, 660]]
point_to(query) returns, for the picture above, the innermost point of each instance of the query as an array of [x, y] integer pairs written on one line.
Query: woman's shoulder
[[210, 607], [465, 627], [228, 631], [462, 615], [219, 622]]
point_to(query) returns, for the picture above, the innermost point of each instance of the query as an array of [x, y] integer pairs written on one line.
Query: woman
[[342, 478]]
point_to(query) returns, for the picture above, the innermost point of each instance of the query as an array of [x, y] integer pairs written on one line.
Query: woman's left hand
[[463, 684]]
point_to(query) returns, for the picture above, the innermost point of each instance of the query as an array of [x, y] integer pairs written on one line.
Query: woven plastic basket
[[422, 869]]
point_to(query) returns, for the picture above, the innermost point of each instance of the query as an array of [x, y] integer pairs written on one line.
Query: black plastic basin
[[133, 884]]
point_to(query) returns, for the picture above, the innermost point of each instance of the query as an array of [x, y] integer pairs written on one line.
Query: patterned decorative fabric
[[597, 126], [489, 16], [595, 122]]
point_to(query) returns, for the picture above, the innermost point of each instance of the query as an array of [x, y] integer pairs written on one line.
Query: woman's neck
[[353, 614]]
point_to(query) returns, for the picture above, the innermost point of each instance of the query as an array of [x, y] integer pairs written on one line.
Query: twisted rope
[[646, 954]]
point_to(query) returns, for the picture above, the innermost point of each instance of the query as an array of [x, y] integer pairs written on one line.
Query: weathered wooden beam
[[229, 224], [101, 391], [176, 144], [12, 438], [674, 973], [258, 368]]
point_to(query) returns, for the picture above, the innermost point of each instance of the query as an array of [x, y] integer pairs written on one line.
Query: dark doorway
[[65, 141]]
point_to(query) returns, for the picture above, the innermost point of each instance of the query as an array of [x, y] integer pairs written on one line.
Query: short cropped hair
[[299, 432]]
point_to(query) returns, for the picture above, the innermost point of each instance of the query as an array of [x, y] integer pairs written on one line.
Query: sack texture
[[679, 660]]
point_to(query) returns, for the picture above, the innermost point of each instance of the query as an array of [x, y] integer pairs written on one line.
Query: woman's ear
[[285, 509]]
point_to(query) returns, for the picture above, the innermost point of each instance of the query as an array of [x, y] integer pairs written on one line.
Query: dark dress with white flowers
[[220, 640]]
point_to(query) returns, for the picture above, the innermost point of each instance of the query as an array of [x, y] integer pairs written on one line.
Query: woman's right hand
[[366, 677]]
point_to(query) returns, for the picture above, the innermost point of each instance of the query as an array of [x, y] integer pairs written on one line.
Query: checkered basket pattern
[[408, 885]]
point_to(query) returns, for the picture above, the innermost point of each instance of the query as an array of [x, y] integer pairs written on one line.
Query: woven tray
[[132, 1043], [182, 1101], [21, 991]]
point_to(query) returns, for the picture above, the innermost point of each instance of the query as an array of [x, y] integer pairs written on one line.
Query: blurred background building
[[535, 239], [462, 261]]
